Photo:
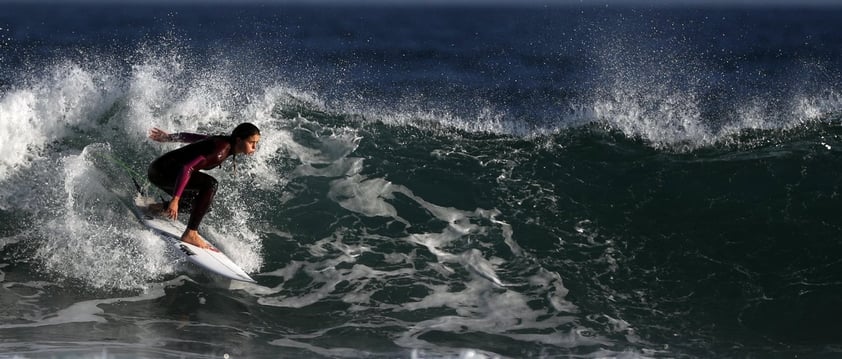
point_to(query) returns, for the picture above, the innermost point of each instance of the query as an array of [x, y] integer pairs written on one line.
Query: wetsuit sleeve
[[188, 137], [184, 176]]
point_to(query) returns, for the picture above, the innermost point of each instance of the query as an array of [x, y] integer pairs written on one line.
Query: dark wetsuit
[[176, 172]]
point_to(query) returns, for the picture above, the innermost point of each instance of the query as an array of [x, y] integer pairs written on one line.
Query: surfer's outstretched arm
[[159, 135]]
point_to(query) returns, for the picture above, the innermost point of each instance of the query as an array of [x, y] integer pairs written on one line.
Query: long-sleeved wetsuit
[[176, 172]]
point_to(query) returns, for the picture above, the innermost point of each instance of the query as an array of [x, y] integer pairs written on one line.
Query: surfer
[[177, 172]]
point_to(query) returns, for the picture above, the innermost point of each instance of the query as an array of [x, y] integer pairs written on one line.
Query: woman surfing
[[178, 172]]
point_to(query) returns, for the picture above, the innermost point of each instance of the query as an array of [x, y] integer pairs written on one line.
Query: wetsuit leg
[[206, 186], [198, 193]]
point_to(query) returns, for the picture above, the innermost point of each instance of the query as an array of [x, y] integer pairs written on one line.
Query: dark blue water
[[432, 181]]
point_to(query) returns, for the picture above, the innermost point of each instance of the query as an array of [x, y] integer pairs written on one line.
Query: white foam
[[90, 239], [481, 309], [85, 311], [485, 305], [327, 352], [239, 242], [38, 113], [368, 197], [461, 353], [552, 285], [327, 276]]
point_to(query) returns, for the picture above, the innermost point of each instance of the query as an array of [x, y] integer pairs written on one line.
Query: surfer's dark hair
[[242, 132], [245, 130]]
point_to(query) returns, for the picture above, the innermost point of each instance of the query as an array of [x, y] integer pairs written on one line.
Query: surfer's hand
[[172, 209], [159, 135]]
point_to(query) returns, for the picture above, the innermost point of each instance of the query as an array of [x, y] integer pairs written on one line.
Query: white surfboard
[[212, 260]]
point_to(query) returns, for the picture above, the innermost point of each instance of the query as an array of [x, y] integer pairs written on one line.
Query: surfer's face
[[248, 145]]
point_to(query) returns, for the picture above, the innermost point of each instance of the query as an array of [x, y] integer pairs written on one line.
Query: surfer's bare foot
[[192, 237]]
